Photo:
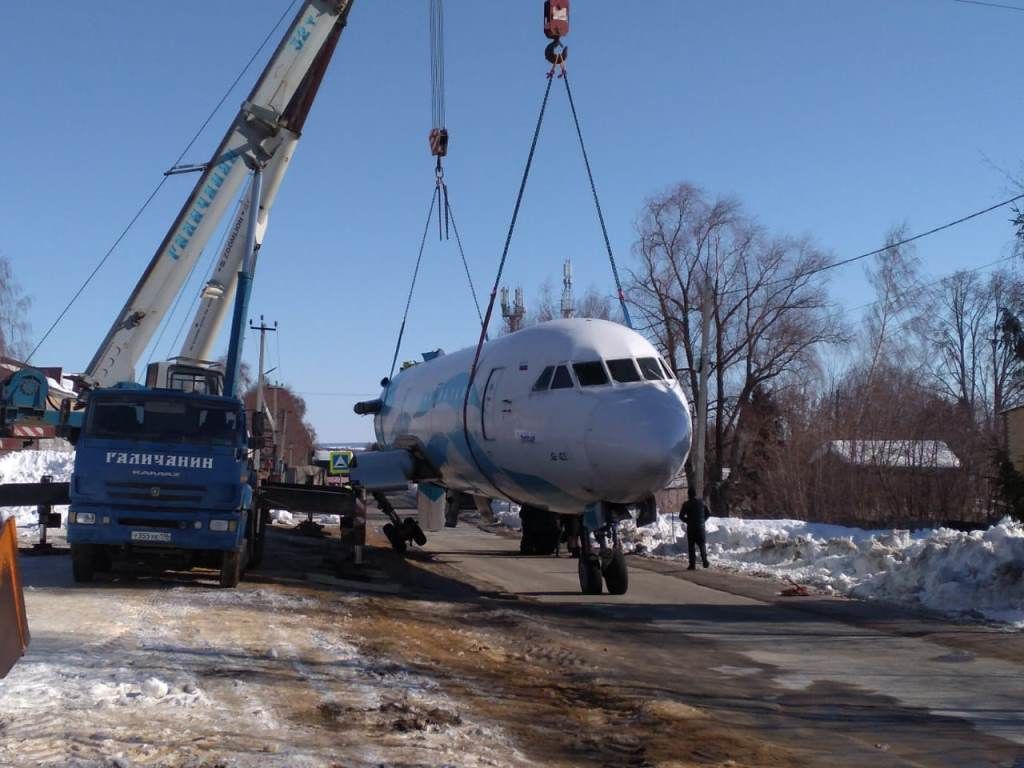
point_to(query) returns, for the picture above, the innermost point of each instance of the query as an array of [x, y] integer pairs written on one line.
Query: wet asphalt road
[[860, 684]]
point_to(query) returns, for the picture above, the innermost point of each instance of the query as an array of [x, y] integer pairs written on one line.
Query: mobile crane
[[162, 471]]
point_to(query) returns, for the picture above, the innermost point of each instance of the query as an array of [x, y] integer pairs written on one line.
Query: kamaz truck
[[163, 476]]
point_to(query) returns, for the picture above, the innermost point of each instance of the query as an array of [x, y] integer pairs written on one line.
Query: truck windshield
[[164, 421]]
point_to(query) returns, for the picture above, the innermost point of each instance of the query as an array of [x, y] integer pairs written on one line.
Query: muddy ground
[[396, 664]]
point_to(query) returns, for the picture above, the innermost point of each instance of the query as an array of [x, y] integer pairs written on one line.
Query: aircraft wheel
[[616, 574], [83, 562], [415, 531], [230, 569], [396, 540], [590, 575]]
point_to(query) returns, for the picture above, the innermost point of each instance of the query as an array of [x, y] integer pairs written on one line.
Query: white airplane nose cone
[[637, 442]]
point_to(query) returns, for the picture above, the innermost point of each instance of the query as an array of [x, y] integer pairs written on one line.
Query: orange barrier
[[14, 635]]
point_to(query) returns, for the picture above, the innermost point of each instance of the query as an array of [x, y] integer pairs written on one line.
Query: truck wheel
[[616, 574], [83, 562], [230, 569], [590, 574]]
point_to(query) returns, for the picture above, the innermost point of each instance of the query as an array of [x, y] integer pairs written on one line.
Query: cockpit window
[[624, 370], [590, 374], [650, 369], [562, 379], [544, 379], [668, 371]]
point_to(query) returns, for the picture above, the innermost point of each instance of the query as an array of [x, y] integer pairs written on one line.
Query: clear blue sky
[[837, 118]]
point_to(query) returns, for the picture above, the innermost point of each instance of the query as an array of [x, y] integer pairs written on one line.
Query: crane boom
[[267, 124]]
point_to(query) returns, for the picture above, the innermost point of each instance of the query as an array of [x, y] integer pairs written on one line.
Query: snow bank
[[506, 513], [28, 467], [282, 516], [979, 574]]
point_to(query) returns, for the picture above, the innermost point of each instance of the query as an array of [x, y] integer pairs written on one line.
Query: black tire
[[258, 537], [396, 540], [415, 532], [590, 575], [83, 562], [102, 560], [230, 569], [616, 574]]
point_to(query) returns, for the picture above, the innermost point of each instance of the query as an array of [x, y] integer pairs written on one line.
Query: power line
[[163, 180], [890, 246], [933, 283], [912, 238], [991, 5]]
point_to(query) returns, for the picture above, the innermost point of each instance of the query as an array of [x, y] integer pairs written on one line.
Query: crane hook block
[[556, 18], [556, 52], [438, 139]]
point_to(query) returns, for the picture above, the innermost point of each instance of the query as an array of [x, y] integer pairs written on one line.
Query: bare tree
[[961, 330], [769, 307], [14, 309]]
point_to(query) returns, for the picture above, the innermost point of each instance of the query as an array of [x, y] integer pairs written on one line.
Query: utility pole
[[284, 436], [700, 438], [263, 328], [277, 443]]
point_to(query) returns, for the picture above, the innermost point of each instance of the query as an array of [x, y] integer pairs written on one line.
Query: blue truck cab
[[162, 476]]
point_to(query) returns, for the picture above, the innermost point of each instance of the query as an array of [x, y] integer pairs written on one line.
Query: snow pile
[[282, 516], [506, 513], [974, 574], [150, 691], [28, 467]]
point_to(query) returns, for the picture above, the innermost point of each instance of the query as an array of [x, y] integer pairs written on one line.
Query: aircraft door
[[494, 407]]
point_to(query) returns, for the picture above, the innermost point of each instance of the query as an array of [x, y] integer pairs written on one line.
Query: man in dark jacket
[[694, 512]]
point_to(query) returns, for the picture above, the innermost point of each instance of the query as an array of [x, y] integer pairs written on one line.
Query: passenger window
[[544, 379], [591, 374], [650, 369], [669, 373], [624, 370], [562, 379]]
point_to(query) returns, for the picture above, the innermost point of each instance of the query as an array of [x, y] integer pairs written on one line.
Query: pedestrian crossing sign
[[339, 463]]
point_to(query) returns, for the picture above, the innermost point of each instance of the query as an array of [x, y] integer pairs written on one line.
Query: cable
[[195, 295], [912, 238], [163, 180], [597, 203], [508, 241], [437, 62], [990, 5], [494, 291], [412, 285], [933, 283], [462, 254]]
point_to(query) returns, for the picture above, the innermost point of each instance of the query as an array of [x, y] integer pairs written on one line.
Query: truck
[[164, 471], [163, 474]]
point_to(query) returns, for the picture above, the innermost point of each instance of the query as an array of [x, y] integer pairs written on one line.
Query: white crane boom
[[268, 124]]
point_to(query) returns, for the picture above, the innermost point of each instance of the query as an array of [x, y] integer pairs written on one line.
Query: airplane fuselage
[[560, 415]]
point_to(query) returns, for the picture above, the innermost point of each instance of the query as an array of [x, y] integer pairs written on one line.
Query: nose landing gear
[[608, 563], [399, 532]]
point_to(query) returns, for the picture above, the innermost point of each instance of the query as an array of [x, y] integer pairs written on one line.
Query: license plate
[[150, 536]]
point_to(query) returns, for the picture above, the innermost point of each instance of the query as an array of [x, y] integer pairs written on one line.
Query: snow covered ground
[[977, 574], [28, 467]]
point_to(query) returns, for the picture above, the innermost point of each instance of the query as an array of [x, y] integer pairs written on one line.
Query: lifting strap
[[555, 25], [438, 140]]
